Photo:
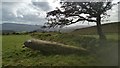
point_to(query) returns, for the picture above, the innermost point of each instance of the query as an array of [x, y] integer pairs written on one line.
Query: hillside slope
[[107, 28]]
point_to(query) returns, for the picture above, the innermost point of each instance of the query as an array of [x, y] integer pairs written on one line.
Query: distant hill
[[7, 31], [19, 27], [70, 29], [67, 29], [107, 28]]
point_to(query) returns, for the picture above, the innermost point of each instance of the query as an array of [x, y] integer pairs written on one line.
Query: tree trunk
[[99, 29]]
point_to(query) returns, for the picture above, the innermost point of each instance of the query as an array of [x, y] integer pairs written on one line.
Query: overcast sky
[[34, 12]]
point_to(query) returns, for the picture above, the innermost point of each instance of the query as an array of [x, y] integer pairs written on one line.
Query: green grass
[[113, 36], [14, 55], [108, 28], [12, 47], [66, 38], [99, 54], [106, 51], [0, 50]]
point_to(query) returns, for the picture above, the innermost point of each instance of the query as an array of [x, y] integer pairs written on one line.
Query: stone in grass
[[53, 47]]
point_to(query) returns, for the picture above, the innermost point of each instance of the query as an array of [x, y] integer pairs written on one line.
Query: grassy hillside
[[87, 38], [106, 54], [107, 29], [108, 51], [14, 55]]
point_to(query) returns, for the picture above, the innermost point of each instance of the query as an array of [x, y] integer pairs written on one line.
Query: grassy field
[[107, 29], [105, 54], [14, 55]]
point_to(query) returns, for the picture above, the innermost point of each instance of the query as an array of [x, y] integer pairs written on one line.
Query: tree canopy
[[73, 12]]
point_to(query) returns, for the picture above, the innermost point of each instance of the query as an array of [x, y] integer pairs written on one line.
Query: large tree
[[73, 12]]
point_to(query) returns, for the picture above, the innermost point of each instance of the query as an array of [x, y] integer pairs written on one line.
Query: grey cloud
[[0, 12], [43, 5], [7, 14], [32, 18], [119, 12]]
